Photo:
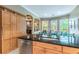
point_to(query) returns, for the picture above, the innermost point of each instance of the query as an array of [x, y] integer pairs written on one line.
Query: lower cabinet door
[[38, 50], [70, 50], [14, 43], [49, 51], [6, 46]]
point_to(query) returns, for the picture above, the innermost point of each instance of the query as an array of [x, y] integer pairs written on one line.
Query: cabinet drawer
[[49, 46], [48, 51], [70, 50]]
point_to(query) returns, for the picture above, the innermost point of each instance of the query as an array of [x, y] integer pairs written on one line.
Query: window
[[45, 25], [64, 29], [53, 25], [63, 25], [73, 25]]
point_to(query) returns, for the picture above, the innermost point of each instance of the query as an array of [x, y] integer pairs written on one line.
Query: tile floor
[[16, 51]]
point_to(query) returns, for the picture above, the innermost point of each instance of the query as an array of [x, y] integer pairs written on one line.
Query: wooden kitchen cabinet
[[18, 24], [33, 43], [6, 16], [6, 33], [70, 50], [49, 46], [6, 24], [13, 25], [21, 25], [13, 31], [6, 47], [38, 50], [9, 28], [14, 43], [45, 48]]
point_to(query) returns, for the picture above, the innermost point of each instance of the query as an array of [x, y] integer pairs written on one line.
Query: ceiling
[[44, 11]]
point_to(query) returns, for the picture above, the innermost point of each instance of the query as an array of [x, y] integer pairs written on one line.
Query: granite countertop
[[51, 41]]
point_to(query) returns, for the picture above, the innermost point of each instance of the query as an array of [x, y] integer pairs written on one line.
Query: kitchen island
[[47, 45]]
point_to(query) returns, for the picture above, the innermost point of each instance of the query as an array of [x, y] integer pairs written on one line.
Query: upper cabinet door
[[21, 25], [13, 24], [13, 18], [6, 24], [17, 24], [6, 17]]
